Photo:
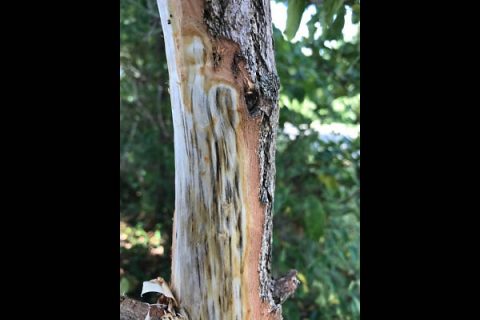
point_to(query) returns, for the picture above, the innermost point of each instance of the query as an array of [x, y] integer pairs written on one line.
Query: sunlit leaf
[[303, 280], [124, 286], [294, 16]]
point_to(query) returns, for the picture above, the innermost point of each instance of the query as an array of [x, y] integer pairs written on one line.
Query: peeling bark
[[224, 95]]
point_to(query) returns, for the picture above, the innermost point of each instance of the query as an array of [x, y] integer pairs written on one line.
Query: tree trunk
[[224, 96], [224, 92]]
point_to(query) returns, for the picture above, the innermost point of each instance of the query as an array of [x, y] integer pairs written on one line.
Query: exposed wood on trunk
[[224, 95]]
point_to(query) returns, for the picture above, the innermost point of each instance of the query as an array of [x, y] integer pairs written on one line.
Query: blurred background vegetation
[[316, 216]]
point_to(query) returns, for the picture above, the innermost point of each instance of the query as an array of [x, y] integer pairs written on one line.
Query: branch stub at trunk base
[[131, 309]]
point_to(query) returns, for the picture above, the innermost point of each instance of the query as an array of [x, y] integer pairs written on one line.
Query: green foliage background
[[316, 216]]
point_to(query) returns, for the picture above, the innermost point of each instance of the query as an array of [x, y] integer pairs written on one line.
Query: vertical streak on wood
[[224, 93], [248, 23]]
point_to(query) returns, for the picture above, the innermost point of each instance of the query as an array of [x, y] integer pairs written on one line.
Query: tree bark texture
[[224, 96], [132, 309]]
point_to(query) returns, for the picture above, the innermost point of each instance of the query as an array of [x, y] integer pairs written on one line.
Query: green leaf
[[294, 16], [356, 13], [314, 218], [330, 8], [124, 285], [337, 25]]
